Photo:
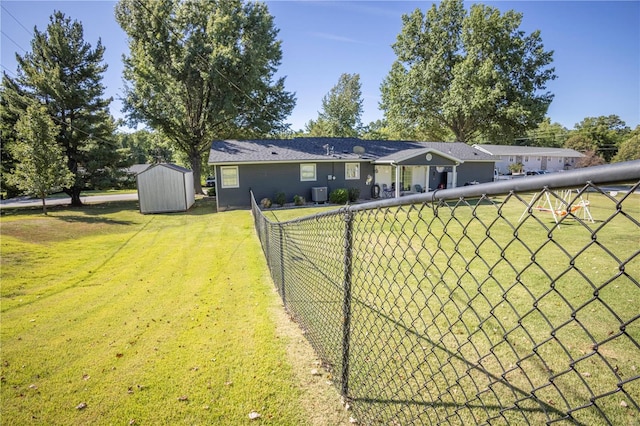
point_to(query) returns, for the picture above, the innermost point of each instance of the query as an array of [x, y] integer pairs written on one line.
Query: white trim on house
[[223, 182], [309, 178], [354, 174]]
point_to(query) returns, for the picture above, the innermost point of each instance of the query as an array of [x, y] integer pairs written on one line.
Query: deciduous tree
[[41, 165], [607, 132], [341, 110], [472, 73], [546, 134], [629, 149], [203, 70]]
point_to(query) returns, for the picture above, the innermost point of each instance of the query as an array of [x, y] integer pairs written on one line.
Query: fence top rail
[[608, 174]]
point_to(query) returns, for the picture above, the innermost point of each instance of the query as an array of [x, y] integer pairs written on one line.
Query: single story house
[[531, 157], [164, 188], [311, 167]]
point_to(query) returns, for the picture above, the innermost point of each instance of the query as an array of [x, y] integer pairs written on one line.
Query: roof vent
[[274, 153], [358, 150]]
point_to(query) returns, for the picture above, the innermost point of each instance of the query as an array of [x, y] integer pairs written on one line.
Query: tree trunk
[[195, 158], [74, 192], [44, 205]]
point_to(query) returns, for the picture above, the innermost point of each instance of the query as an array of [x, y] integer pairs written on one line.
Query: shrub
[[265, 203], [339, 196], [299, 200], [354, 194], [280, 198]]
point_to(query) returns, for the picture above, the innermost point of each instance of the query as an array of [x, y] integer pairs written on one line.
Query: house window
[[511, 159], [307, 172], [352, 171], [526, 159], [229, 176]]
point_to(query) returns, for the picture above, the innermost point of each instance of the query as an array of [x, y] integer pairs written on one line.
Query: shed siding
[[165, 189]]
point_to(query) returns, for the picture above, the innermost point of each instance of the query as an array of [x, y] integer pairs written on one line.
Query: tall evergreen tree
[[203, 70], [64, 73]]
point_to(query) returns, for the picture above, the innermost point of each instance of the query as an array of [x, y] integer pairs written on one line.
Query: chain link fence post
[[346, 301], [282, 287]]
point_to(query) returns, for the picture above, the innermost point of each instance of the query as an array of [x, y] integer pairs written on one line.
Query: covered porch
[[414, 171]]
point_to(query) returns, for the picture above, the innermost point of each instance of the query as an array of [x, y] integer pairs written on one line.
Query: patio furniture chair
[[418, 187], [386, 191]]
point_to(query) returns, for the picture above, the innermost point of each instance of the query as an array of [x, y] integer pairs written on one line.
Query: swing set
[[563, 205]]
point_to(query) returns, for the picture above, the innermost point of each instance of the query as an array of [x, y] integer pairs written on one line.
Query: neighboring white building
[[531, 157], [165, 188]]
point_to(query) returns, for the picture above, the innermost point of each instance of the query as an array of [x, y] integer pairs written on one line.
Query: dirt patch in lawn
[[319, 396]]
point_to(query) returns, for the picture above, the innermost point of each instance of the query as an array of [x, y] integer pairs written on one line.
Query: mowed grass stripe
[[167, 322]]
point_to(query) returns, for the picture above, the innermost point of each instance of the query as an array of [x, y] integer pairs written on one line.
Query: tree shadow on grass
[[94, 219]]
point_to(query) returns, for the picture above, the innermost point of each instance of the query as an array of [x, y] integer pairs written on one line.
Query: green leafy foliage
[[354, 194], [629, 149], [42, 166], [606, 132], [280, 198], [341, 110], [339, 196], [472, 74], [200, 71], [299, 200], [64, 73], [546, 134]]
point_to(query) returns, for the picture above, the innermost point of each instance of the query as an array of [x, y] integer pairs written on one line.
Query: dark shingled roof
[[328, 149]]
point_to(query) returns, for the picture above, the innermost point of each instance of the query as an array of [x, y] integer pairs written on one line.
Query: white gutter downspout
[[397, 194]]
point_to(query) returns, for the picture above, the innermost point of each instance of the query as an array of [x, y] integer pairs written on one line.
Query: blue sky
[[596, 45]]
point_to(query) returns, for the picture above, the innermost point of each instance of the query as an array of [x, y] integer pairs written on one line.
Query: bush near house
[[299, 200], [339, 196], [265, 203], [354, 194], [280, 198]]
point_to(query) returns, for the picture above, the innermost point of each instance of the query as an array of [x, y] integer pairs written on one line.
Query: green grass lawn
[[147, 319], [459, 314]]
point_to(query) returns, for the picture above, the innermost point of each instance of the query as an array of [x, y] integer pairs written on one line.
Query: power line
[[13, 41], [16, 19], [263, 108]]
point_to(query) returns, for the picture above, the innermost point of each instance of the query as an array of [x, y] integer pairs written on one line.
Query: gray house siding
[[475, 172], [267, 179], [268, 166]]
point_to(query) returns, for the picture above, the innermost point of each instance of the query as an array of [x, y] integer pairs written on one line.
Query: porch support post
[[397, 194], [427, 188], [454, 182]]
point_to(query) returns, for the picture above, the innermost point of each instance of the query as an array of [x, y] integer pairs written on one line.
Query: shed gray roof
[[169, 166], [328, 149], [528, 150]]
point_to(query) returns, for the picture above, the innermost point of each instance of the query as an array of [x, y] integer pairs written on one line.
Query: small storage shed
[[165, 188]]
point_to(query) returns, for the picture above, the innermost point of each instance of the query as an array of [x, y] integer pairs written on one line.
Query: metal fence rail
[[516, 302]]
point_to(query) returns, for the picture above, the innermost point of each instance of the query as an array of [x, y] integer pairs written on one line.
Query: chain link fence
[[516, 302]]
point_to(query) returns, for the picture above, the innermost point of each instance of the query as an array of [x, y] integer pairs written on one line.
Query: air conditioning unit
[[319, 194]]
